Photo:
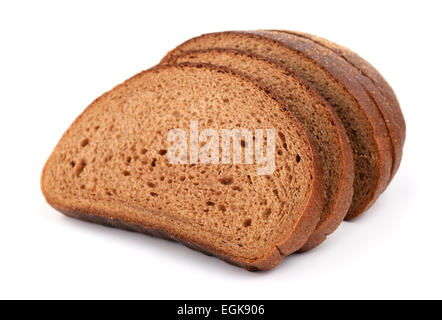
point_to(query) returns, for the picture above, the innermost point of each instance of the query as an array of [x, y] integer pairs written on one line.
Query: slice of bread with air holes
[[116, 165], [340, 83], [316, 115]]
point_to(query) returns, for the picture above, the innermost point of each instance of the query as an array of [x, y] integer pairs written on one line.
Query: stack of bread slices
[[335, 125]]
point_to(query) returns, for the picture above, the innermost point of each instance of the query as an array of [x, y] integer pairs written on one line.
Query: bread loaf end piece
[[380, 89]]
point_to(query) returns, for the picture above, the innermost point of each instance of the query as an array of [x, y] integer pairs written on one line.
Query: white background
[[56, 57]]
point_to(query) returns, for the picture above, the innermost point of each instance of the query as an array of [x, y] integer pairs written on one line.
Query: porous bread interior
[[112, 162], [310, 110], [359, 130]]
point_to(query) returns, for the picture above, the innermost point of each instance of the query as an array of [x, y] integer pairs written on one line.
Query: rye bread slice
[[379, 88], [337, 81], [111, 167], [315, 114]]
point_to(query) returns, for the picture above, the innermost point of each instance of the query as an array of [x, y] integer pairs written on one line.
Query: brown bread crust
[[296, 238], [380, 89], [343, 72], [271, 261], [339, 207], [347, 77]]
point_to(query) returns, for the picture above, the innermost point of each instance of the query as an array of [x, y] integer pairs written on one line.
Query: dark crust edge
[[158, 233], [339, 207], [340, 70], [296, 238], [390, 109], [354, 88]]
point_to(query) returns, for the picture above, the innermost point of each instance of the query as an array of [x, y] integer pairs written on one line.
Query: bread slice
[[378, 87], [316, 115], [337, 81], [112, 166]]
